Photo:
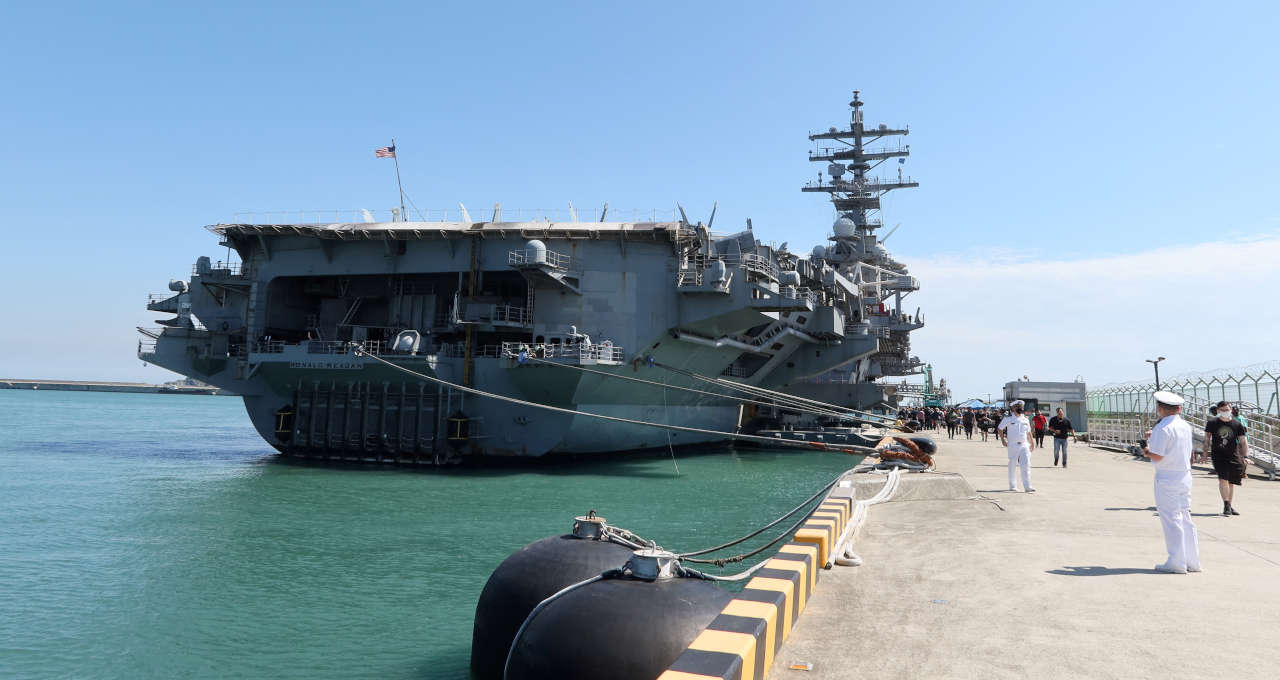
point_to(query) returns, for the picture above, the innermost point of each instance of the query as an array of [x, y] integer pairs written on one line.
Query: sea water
[[157, 536]]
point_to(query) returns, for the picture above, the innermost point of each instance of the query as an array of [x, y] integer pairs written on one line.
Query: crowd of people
[[986, 421], [1168, 445]]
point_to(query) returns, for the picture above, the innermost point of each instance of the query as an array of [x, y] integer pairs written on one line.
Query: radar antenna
[[857, 197]]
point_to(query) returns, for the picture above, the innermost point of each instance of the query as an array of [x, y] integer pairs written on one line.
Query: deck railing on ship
[[222, 269], [501, 214], [529, 256], [375, 347], [604, 352]]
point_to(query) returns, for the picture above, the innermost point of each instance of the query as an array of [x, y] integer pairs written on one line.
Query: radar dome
[[819, 252], [844, 227], [536, 251]]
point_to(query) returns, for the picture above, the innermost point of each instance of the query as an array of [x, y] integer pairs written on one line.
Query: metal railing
[[500, 214], [604, 352], [268, 346], [735, 371], [798, 294], [529, 257], [1120, 415], [327, 347], [823, 151], [375, 347], [871, 224], [499, 314], [870, 184], [752, 263], [458, 350], [689, 278], [1261, 390], [224, 269]]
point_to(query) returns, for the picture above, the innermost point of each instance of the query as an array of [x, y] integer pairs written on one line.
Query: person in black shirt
[[1224, 438], [967, 420], [953, 422], [1060, 426]]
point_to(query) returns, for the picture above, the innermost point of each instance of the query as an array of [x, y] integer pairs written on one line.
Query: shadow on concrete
[[1153, 509], [1099, 571], [1150, 508]]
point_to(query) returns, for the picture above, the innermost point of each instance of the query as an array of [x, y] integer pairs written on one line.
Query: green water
[[156, 536]]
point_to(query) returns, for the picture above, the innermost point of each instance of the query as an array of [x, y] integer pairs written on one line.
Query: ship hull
[[385, 415]]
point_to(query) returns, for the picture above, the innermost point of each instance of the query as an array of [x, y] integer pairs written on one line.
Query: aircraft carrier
[[310, 325]]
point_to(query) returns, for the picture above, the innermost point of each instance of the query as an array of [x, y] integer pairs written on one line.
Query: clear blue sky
[[1062, 131]]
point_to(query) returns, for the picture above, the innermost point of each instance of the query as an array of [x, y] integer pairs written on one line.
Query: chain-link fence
[[1120, 415], [1258, 393]]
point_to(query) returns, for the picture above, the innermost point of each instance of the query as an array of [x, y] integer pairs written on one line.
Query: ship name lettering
[[328, 365]]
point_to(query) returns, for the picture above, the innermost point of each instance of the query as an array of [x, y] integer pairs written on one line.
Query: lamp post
[[1155, 363]]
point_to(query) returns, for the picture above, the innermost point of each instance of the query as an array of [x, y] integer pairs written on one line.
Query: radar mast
[[856, 195]]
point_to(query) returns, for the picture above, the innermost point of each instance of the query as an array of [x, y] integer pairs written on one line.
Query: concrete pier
[[1053, 584]]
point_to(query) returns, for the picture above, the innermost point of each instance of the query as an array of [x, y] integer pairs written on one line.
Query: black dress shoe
[[1233, 511]]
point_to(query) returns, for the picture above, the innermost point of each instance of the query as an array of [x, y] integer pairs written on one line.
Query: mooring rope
[[844, 448], [718, 395], [844, 556], [721, 561], [511, 651], [782, 396], [826, 487]]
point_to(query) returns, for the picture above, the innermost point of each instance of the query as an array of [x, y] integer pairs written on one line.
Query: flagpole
[[404, 217]]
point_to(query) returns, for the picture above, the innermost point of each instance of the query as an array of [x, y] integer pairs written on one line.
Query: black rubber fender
[[527, 577], [621, 629]]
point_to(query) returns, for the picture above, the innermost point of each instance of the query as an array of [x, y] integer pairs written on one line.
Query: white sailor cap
[[1169, 398], [1019, 402]]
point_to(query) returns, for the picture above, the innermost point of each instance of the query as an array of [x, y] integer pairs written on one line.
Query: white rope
[[719, 395], [541, 605], [843, 448], [844, 556], [781, 396], [740, 576], [666, 415]]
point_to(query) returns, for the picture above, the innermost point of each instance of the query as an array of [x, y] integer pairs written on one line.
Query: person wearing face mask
[[1015, 433], [1224, 438], [1169, 448]]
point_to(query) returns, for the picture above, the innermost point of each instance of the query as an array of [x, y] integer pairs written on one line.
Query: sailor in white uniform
[[1015, 432], [1169, 448]]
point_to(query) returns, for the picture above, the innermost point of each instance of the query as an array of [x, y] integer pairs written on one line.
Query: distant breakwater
[[95, 386]]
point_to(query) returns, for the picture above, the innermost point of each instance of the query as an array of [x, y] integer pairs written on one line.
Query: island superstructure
[[858, 254], [301, 327]]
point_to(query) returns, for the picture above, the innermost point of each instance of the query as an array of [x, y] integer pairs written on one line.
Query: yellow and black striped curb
[[741, 642]]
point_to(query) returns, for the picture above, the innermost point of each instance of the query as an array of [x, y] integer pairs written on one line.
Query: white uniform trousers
[[1173, 502], [1020, 457]]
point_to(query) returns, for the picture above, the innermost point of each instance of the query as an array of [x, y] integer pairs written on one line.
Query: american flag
[[385, 152]]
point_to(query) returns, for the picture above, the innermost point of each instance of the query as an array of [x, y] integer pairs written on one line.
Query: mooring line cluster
[[772, 441], [681, 388], [782, 398]]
